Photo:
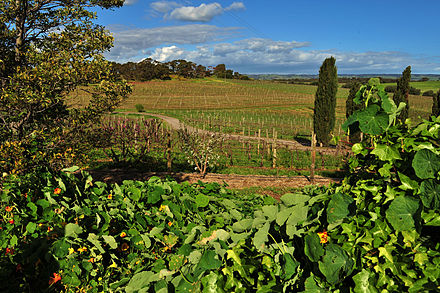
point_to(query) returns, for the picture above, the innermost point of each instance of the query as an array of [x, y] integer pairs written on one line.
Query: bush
[[391, 88], [414, 91], [139, 108], [429, 93]]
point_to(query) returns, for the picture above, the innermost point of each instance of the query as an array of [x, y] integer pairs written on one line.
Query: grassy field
[[234, 106], [249, 108]]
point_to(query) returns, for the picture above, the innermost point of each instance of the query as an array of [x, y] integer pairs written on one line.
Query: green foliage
[[351, 107], [402, 92], [45, 64], [436, 104], [139, 108], [375, 232], [325, 101]]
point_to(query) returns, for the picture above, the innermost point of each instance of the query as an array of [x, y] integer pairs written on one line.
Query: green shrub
[[139, 108], [429, 93]]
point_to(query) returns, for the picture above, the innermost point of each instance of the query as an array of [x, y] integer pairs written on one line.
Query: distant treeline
[[149, 69]]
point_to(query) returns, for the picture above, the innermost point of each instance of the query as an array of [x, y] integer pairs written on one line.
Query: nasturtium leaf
[[401, 211], [313, 247], [72, 230], [430, 194], [195, 256], [30, 227], [208, 261], [110, 240], [60, 248], [311, 286], [202, 200], [339, 207], [290, 266], [141, 280], [155, 195], [71, 169], [270, 212], [283, 215], [261, 237], [426, 164], [290, 199], [386, 152], [362, 283], [176, 262], [209, 283], [371, 121], [298, 214], [242, 225], [94, 240], [134, 193], [335, 264]]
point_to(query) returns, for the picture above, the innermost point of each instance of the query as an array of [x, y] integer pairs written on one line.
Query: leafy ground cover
[[377, 231]]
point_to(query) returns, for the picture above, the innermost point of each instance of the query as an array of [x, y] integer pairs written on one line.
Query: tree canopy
[[49, 49]]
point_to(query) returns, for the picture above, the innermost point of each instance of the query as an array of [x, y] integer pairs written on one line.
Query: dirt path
[[176, 124], [233, 181]]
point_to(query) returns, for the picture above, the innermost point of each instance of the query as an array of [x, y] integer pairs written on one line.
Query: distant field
[[234, 106], [424, 86]]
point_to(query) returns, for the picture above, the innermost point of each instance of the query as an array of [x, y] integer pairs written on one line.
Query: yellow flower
[[323, 236], [109, 196], [170, 224], [71, 250], [123, 234], [82, 249]]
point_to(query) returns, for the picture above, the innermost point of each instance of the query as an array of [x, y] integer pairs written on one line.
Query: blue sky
[[280, 36]]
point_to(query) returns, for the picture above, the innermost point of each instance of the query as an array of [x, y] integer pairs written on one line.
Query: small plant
[[200, 149], [139, 108]]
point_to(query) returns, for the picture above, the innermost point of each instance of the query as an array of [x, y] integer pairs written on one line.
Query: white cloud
[[164, 6], [249, 56], [203, 13], [235, 6], [132, 43], [130, 2]]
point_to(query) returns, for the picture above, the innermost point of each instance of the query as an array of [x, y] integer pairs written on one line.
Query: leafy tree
[[51, 49], [220, 70], [351, 107], [325, 101], [402, 93], [436, 104]]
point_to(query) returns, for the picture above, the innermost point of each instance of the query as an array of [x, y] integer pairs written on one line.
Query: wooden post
[[259, 137], [274, 150], [169, 159], [313, 154]]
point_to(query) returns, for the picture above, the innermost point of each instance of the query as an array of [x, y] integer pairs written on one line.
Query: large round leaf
[[430, 194], [339, 207], [426, 164], [371, 121], [401, 212]]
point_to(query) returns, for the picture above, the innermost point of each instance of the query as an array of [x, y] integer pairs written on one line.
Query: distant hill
[[313, 76]]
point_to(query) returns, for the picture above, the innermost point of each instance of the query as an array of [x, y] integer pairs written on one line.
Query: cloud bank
[[202, 13]]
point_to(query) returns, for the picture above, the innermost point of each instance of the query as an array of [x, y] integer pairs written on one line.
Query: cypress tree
[[402, 93], [351, 107], [436, 104], [325, 101]]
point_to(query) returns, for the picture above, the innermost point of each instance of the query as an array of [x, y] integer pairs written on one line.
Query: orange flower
[[9, 251], [124, 246], [82, 249], [323, 236], [8, 209], [54, 279], [92, 260], [123, 234], [109, 196], [170, 224], [11, 221], [57, 190]]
